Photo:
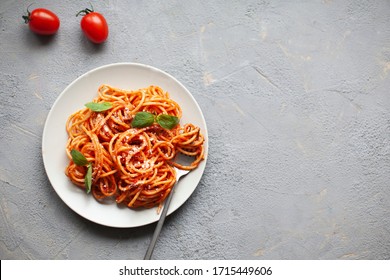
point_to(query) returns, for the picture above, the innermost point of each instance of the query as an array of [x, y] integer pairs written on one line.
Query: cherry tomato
[[94, 26], [42, 21]]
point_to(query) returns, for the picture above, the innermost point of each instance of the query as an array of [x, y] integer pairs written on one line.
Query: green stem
[[27, 17], [86, 11]]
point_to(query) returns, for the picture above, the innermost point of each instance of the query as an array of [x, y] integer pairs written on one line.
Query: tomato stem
[[27, 17], [86, 11]]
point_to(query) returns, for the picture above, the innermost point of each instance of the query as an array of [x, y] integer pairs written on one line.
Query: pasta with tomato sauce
[[126, 154]]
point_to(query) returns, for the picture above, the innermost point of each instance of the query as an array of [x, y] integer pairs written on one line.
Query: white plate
[[84, 89]]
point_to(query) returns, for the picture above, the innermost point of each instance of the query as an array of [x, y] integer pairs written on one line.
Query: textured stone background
[[296, 99]]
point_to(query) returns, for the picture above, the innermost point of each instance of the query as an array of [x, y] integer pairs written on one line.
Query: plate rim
[[84, 75]]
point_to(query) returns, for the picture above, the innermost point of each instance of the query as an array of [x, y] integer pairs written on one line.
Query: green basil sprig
[[144, 119], [80, 160], [98, 107], [88, 179], [167, 121]]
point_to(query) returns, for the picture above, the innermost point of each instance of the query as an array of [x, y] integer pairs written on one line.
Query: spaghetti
[[133, 165]]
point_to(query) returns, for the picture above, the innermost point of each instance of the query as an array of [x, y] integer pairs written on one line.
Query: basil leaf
[[142, 119], [78, 158], [167, 121], [98, 107], [88, 179]]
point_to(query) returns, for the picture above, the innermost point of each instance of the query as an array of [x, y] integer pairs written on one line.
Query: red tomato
[[94, 26], [42, 21]]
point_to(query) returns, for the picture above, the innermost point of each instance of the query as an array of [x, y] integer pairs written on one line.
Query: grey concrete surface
[[296, 99]]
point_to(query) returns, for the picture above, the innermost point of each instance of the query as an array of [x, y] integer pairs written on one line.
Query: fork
[[179, 174]]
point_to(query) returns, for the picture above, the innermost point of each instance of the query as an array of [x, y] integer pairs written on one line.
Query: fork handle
[[160, 223]]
